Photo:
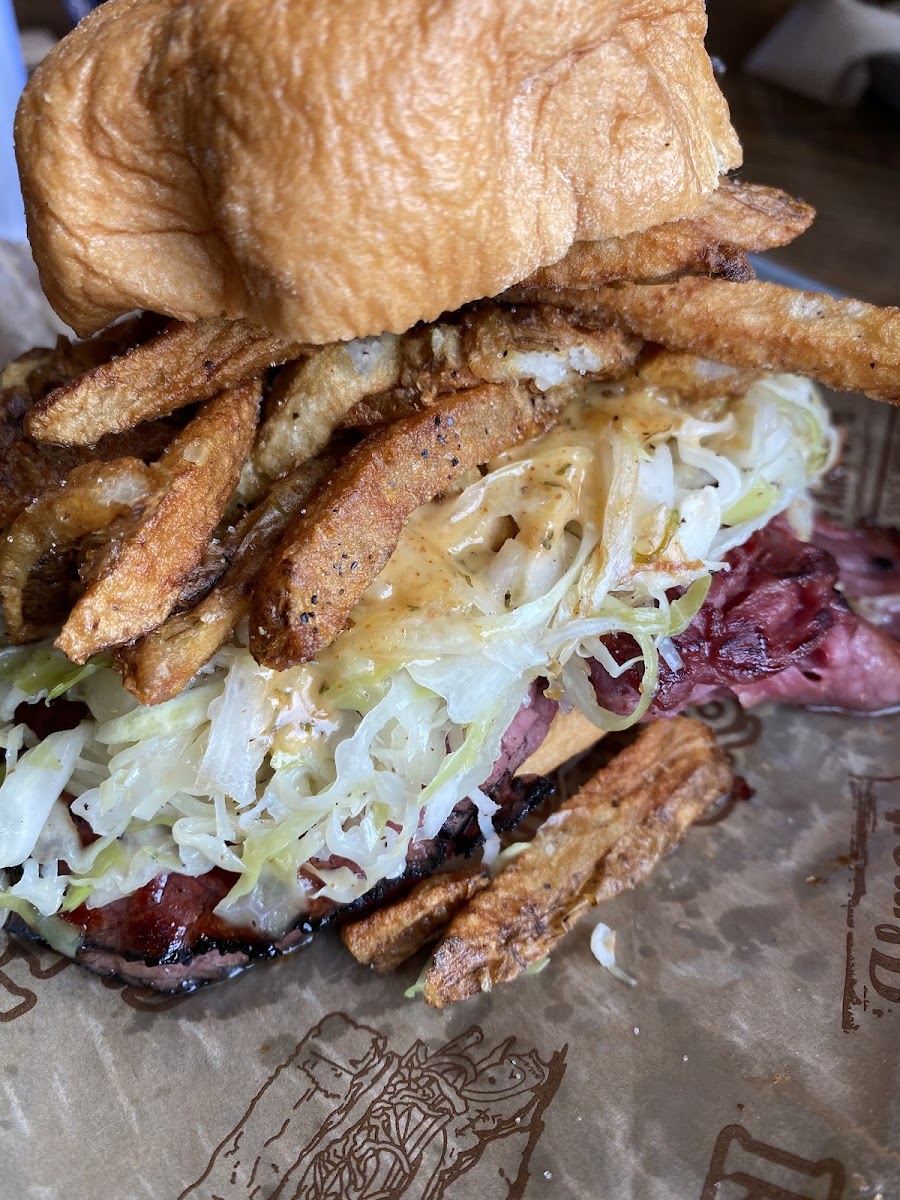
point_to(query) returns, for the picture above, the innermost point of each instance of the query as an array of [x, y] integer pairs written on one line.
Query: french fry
[[605, 839], [387, 937], [493, 344], [27, 468], [183, 364], [161, 663], [332, 552], [94, 495], [541, 343], [145, 570], [845, 344], [735, 219], [310, 398], [688, 375]]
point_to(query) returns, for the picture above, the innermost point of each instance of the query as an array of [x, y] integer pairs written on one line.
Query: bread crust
[[336, 168]]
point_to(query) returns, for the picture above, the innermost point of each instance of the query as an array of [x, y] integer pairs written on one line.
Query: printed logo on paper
[[872, 968], [21, 967], [743, 1168], [348, 1117], [735, 728]]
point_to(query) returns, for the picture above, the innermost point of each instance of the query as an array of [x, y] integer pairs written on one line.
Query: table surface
[[847, 164]]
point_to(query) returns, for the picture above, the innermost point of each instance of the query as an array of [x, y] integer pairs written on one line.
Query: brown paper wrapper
[[756, 1057]]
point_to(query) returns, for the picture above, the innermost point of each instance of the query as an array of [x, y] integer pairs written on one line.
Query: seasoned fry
[[183, 364], [689, 376], [28, 469], [387, 937], [146, 569], [93, 496], [494, 344], [16, 375], [845, 344], [161, 663], [37, 371], [309, 399], [736, 218], [606, 839], [385, 408], [543, 344], [332, 553]]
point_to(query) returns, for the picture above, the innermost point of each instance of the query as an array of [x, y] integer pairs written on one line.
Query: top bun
[[335, 168]]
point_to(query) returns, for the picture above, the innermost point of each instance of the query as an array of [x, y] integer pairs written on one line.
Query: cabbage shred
[[317, 779]]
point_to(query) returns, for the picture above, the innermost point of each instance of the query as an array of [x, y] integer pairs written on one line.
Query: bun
[[335, 168]]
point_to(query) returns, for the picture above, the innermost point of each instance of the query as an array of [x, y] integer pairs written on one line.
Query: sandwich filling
[[524, 581]]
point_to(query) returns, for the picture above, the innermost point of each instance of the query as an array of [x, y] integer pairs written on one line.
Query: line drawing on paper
[[348, 1117], [748, 1169], [20, 965]]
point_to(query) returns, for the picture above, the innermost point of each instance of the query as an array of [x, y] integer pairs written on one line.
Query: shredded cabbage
[[318, 779]]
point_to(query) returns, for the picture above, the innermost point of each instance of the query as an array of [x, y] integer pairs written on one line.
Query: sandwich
[[424, 422]]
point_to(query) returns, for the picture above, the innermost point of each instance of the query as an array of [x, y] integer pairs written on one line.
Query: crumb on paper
[[603, 948]]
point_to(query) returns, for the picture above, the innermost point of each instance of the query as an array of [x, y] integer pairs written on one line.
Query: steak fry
[[387, 937], [334, 550], [94, 495], [161, 663], [28, 469], [689, 376], [736, 219], [310, 398], [183, 364], [606, 839], [845, 344], [379, 380], [145, 570], [541, 344]]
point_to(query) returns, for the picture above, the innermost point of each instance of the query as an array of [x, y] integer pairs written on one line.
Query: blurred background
[[846, 162], [842, 155]]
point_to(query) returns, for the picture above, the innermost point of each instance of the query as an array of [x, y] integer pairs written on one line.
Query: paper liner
[[756, 1056]]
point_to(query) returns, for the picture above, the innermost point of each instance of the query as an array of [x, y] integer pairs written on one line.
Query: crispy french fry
[[544, 344], [331, 554], [310, 398], [387, 937], [606, 839], [495, 344], [94, 495], [27, 468], [17, 373], [183, 364], [39, 370], [689, 376], [736, 218], [145, 570], [844, 344], [161, 663]]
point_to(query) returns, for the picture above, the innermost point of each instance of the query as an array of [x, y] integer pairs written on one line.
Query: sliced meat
[[773, 627], [528, 730], [855, 669], [868, 558]]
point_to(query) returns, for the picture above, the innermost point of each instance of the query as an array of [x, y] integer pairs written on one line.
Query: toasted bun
[[335, 168]]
